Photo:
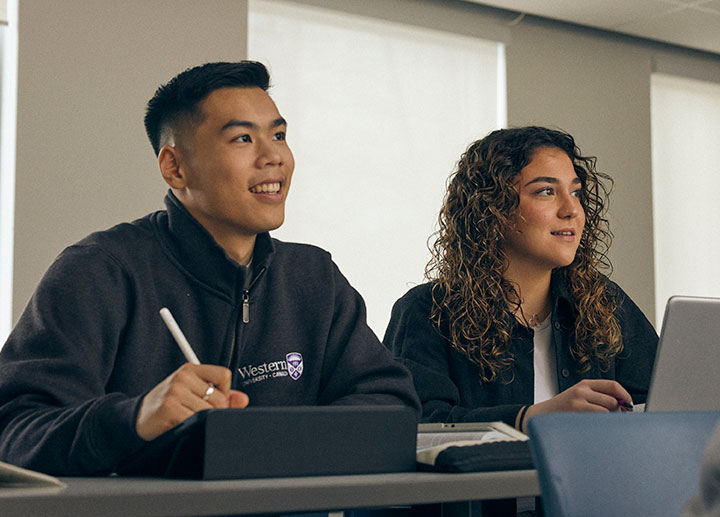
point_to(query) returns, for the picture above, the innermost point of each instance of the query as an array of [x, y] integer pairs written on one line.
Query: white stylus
[[180, 338]]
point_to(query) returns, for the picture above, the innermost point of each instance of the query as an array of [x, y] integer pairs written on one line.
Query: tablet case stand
[[282, 442]]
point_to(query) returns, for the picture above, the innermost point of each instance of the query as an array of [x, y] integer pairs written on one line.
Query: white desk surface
[[145, 496]]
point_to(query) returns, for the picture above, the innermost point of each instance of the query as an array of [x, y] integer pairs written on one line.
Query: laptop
[[686, 374], [261, 442]]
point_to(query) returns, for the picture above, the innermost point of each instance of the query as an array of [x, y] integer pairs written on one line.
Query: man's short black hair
[[179, 99]]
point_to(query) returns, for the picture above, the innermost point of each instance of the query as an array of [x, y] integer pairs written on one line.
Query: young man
[[90, 372]]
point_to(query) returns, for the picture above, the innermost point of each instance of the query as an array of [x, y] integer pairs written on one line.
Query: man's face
[[236, 164]]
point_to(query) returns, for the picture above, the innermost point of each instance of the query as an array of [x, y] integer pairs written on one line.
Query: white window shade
[[8, 123], [378, 113], [686, 182], [3, 12]]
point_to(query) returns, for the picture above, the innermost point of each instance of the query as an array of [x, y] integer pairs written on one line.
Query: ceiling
[[690, 23]]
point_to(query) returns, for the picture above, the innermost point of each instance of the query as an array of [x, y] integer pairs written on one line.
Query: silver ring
[[209, 391]]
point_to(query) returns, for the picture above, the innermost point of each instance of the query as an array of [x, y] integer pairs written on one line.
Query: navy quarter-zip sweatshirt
[[91, 343]]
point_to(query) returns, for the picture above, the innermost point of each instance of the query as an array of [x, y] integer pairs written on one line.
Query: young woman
[[516, 318]]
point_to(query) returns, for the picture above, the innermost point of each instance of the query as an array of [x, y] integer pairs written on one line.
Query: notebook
[[472, 447], [687, 366], [261, 442]]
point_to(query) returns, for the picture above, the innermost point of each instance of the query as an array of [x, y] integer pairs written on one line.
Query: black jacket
[[91, 343], [449, 386]]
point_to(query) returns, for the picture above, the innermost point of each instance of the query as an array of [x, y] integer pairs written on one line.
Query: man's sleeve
[[357, 368], [55, 414], [706, 502]]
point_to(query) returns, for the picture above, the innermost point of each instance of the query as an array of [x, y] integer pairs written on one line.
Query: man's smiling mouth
[[266, 188]]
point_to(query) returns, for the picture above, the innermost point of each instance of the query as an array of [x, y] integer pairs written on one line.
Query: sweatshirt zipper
[[246, 298], [246, 306], [244, 314]]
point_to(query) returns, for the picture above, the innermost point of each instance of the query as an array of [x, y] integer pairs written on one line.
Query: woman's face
[[549, 219]]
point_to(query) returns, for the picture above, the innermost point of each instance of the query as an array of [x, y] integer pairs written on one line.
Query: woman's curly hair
[[471, 298]]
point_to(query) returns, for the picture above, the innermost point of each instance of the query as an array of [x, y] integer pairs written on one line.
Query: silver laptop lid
[[686, 375]]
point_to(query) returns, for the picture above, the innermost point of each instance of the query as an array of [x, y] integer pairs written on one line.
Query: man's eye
[[279, 136], [243, 138], [578, 193]]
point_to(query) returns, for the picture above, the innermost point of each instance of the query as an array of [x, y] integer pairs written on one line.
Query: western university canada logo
[[292, 367], [295, 365]]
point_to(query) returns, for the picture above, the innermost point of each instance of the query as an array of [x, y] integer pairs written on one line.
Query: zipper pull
[[246, 306]]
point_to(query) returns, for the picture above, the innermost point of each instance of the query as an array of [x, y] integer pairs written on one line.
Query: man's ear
[[168, 159]]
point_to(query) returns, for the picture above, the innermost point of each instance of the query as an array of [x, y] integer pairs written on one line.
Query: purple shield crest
[[295, 365]]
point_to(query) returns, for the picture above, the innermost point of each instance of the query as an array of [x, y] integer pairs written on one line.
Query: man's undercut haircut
[[178, 100]]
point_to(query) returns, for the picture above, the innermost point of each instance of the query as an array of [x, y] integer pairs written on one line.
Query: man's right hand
[[182, 394]]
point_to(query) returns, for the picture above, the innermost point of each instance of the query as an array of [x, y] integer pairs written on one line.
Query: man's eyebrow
[[252, 125], [549, 179], [238, 123]]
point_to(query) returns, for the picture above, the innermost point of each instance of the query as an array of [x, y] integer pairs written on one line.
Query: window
[[8, 102], [378, 113], [685, 135]]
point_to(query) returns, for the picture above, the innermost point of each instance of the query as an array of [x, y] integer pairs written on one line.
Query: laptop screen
[[686, 375]]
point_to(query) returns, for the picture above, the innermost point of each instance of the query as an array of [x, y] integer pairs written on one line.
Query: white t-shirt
[[546, 383], [545, 363]]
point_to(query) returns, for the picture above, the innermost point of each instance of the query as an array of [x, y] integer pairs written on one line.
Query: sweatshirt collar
[[202, 257]]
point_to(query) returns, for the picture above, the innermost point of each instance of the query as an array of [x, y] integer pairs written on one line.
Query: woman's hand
[[588, 395]]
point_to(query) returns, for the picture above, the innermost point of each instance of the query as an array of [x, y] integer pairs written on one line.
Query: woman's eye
[[546, 191], [578, 193]]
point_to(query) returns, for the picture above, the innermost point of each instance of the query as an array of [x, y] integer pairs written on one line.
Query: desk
[[143, 496]]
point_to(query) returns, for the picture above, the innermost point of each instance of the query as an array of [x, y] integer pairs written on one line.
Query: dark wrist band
[[522, 417]]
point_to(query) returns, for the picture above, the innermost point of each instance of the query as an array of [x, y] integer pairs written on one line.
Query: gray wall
[[598, 89], [86, 71], [596, 85]]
